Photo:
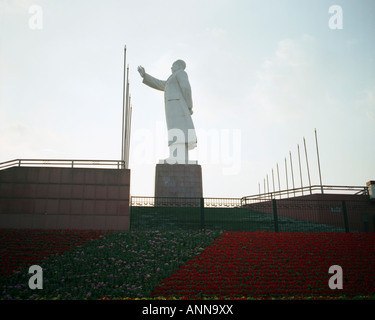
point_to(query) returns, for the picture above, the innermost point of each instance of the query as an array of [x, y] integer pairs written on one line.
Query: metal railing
[[139, 201], [293, 215], [304, 191], [113, 164]]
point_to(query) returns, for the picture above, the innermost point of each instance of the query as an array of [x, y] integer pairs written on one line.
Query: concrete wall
[[64, 198]]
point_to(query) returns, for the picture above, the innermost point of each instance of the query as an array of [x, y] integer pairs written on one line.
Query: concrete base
[[371, 189], [178, 181]]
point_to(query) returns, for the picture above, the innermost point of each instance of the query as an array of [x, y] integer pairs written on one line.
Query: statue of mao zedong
[[178, 110]]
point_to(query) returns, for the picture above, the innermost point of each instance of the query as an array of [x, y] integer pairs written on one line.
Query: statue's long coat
[[178, 103]]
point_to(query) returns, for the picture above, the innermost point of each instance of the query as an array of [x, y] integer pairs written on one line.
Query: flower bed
[[118, 264], [23, 248], [186, 265], [264, 265]]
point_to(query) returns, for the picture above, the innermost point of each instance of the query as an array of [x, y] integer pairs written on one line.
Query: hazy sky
[[264, 74]]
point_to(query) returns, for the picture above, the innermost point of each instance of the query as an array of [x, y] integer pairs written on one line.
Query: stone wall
[[64, 198], [178, 181]]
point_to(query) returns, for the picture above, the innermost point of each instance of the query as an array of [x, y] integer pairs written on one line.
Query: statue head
[[178, 65]]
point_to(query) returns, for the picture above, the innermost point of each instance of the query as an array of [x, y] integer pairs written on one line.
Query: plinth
[[178, 180]]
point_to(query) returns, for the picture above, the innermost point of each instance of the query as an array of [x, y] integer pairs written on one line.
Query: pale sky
[[264, 74]]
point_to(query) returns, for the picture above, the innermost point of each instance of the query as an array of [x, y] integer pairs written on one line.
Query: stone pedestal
[[371, 189], [178, 181]]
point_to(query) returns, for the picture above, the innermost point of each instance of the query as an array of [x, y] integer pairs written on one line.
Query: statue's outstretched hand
[[141, 71]]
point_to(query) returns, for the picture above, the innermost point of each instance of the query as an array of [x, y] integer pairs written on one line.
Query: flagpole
[[317, 151], [278, 178], [123, 111], [291, 167], [126, 118], [128, 131], [300, 170], [307, 163], [286, 173]]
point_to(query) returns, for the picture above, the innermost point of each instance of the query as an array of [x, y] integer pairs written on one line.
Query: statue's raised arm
[[141, 71]]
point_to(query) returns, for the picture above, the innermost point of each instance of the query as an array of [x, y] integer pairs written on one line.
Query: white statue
[[178, 111]]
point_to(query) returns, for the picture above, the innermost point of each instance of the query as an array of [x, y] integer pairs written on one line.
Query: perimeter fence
[[234, 214]]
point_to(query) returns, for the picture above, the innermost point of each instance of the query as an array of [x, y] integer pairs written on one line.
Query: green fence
[[236, 219], [148, 213]]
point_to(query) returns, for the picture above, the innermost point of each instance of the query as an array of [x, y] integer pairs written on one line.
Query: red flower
[[265, 264], [22, 248]]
